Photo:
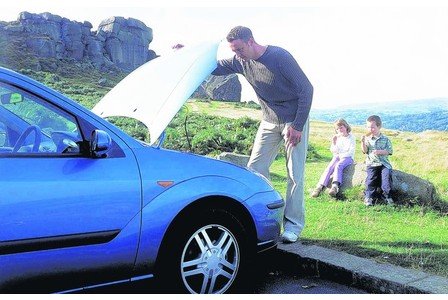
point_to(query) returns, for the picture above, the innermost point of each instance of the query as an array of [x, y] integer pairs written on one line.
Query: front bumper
[[267, 212]]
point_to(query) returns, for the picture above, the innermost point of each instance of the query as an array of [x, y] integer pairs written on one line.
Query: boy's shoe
[[333, 191], [368, 201], [289, 237], [317, 191], [389, 201]]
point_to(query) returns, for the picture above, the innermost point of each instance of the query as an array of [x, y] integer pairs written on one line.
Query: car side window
[[30, 124]]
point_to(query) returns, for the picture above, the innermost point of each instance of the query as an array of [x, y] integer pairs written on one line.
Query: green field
[[412, 236]]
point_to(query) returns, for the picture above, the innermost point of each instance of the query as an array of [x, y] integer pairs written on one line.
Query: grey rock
[[222, 88], [118, 42], [41, 24], [404, 185], [42, 46], [237, 159], [125, 41], [14, 28], [102, 82], [94, 51]]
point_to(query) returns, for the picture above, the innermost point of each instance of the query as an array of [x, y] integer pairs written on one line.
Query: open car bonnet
[[155, 92]]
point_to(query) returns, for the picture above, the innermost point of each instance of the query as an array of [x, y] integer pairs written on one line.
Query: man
[[285, 95]]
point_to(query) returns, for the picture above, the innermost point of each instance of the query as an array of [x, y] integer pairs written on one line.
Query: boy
[[378, 148]]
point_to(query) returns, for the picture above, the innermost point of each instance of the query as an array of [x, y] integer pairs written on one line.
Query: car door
[[62, 211]]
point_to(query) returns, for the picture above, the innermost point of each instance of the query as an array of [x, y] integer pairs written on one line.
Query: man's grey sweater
[[283, 90]]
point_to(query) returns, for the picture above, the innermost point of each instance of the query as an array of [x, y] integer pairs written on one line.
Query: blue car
[[84, 204]]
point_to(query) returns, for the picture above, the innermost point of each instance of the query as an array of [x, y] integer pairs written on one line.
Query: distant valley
[[413, 115]]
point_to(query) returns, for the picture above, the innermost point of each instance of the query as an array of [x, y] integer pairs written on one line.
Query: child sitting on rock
[[378, 148], [343, 149]]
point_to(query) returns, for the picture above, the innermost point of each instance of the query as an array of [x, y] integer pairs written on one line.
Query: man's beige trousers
[[267, 142]]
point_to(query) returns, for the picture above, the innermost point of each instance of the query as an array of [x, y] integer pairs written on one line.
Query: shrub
[[209, 135]]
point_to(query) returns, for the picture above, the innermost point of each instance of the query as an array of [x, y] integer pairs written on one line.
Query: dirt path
[[223, 109]]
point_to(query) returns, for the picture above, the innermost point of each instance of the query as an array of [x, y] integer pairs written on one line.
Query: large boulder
[[237, 159], [41, 24], [404, 186], [126, 41], [222, 88], [55, 37]]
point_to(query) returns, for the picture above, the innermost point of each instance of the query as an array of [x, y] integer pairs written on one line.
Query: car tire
[[205, 253]]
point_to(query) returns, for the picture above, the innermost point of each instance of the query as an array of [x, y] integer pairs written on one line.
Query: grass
[[409, 236]]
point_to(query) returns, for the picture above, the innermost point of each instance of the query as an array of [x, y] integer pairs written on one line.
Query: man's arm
[[303, 89], [227, 66]]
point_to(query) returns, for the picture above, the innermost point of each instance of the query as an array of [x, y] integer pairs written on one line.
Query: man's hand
[[293, 136]]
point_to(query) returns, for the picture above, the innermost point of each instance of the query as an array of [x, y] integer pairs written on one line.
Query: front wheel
[[208, 253]]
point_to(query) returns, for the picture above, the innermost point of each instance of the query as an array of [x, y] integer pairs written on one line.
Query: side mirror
[[100, 143], [11, 98]]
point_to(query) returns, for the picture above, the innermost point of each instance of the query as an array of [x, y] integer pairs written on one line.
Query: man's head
[[239, 33], [242, 43]]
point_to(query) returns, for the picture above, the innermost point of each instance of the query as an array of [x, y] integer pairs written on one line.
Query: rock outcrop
[[118, 44], [118, 41], [126, 41], [224, 88]]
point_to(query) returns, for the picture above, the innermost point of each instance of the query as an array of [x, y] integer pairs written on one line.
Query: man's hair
[[375, 119], [342, 122], [239, 33]]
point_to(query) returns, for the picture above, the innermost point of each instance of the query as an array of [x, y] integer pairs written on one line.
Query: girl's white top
[[344, 147]]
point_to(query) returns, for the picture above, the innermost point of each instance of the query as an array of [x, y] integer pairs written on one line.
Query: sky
[[352, 51]]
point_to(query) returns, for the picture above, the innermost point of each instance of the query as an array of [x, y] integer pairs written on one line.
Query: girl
[[343, 149]]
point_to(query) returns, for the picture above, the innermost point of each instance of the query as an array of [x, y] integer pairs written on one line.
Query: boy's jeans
[[267, 142], [378, 177]]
